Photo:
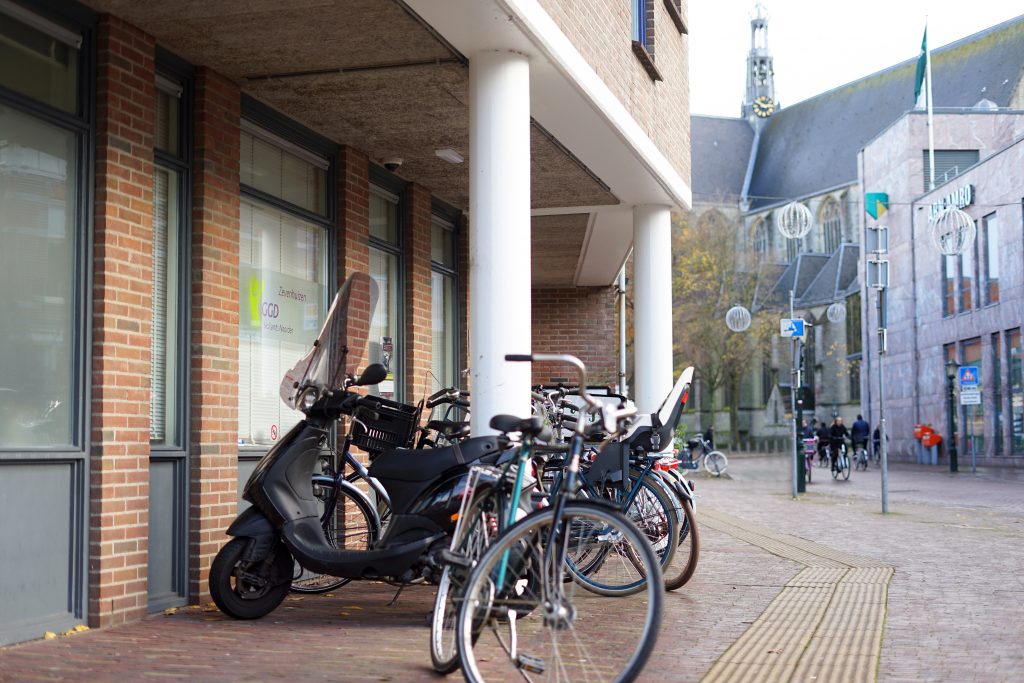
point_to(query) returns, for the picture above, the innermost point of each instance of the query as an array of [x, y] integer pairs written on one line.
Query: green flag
[[922, 65]]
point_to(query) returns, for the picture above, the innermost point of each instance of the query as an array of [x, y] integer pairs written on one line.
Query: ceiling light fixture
[[449, 155]]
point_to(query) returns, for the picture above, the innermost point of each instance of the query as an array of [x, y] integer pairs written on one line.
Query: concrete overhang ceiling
[[374, 75]]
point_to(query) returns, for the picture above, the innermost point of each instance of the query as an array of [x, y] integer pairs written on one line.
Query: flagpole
[[928, 99]]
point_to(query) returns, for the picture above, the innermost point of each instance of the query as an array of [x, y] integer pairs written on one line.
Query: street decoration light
[[951, 230], [794, 221], [836, 312], [737, 318], [951, 371]]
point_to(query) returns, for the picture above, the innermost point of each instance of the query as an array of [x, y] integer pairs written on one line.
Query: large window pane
[[37, 278], [967, 277], [948, 285], [164, 386], [168, 122], [385, 342], [442, 244], [443, 331], [974, 421], [38, 65], [282, 278], [991, 259], [384, 218], [1015, 354], [279, 173]]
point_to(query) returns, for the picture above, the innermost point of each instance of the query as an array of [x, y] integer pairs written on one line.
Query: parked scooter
[[252, 573]]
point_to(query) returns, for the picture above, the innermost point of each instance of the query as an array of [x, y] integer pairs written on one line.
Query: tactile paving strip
[[825, 625]]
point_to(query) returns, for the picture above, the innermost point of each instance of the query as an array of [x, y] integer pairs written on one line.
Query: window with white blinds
[[443, 318], [166, 382], [949, 163], [282, 281]]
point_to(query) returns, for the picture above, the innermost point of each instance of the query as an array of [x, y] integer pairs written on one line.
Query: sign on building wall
[[959, 198], [876, 204]]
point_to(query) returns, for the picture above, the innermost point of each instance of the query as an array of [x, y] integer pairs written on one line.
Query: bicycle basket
[[393, 426]]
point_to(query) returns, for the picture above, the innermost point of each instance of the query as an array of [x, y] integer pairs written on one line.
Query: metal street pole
[[953, 466], [882, 342], [795, 374]]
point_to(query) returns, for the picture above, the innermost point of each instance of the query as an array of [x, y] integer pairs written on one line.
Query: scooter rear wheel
[[249, 590]]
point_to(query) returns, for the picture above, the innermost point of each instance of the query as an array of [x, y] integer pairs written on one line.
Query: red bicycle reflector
[[665, 464], [686, 395]]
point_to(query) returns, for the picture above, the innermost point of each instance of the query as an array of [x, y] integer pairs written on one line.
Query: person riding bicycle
[[838, 434], [823, 435], [859, 433]]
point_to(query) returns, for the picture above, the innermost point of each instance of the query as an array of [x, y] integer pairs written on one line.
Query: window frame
[[445, 213], [990, 252], [390, 186], [284, 128], [830, 218], [171, 67]]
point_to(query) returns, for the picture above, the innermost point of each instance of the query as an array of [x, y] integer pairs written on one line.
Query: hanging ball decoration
[[794, 221], [836, 312], [952, 231], [737, 318]]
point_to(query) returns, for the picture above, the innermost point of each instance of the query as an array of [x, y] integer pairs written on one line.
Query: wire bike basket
[[392, 425]]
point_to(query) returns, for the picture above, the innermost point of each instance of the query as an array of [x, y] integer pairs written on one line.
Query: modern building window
[[974, 420], [42, 174], [282, 274], [167, 344], [641, 20], [444, 295], [386, 342], [1015, 361], [968, 276], [948, 286], [991, 235], [997, 395], [40, 61], [832, 225], [949, 163]]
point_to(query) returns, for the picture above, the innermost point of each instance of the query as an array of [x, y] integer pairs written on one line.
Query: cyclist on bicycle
[[838, 434], [859, 433], [823, 435]]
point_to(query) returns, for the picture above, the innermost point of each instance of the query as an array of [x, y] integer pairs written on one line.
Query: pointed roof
[[798, 276], [833, 279], [812, 146]]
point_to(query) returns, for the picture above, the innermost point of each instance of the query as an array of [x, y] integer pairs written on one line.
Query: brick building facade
[[162, 179]]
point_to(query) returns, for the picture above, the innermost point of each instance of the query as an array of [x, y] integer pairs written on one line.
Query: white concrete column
[[499, 234], [652, 305]]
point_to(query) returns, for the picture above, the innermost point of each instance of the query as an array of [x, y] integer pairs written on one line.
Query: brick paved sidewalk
[[953, 611]]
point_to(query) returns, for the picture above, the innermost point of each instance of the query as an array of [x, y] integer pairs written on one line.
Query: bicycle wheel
[[520, 619], [715, 463], [477, 531], [846, 466], [655, 512], [349, 525], [808, 466]]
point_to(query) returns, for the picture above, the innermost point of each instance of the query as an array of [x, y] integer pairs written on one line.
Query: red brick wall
[[215, 301], [418, 338], [580, 321], [121, 323], [353, 212]]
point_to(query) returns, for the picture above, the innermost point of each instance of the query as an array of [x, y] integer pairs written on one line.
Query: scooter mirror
[[375, 373]]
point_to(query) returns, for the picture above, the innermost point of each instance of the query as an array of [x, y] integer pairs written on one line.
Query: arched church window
[[831, 224]]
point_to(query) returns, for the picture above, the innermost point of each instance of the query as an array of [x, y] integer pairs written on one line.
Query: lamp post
[[951, 370]]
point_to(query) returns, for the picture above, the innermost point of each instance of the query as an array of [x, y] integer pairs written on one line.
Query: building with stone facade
[[814, 152], [184, 185]]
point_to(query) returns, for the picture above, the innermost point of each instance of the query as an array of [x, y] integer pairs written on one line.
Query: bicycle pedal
[[530, 664], [448, 557]]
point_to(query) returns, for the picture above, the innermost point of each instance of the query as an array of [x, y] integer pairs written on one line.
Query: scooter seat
[[425, 464]]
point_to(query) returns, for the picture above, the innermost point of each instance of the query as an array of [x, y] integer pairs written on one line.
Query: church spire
[[759, 100]]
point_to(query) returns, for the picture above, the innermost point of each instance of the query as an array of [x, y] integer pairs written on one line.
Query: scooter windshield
[[338, 350]]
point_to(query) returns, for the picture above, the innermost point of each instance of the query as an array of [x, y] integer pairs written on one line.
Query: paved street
[[786, 590]]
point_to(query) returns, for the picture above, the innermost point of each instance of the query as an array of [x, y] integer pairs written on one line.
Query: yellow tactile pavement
[[825, 625]]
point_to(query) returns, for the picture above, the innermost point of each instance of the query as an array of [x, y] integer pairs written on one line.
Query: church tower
[[759, 100]]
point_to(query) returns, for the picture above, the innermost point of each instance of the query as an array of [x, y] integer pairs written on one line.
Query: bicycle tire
[[684, 563], [359, 532], [444, 651], [517, 591], [846, 467], [716, 463], [808, 466], [655, 513]]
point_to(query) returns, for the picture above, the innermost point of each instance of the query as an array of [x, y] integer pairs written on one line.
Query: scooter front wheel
[[249, 590]]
